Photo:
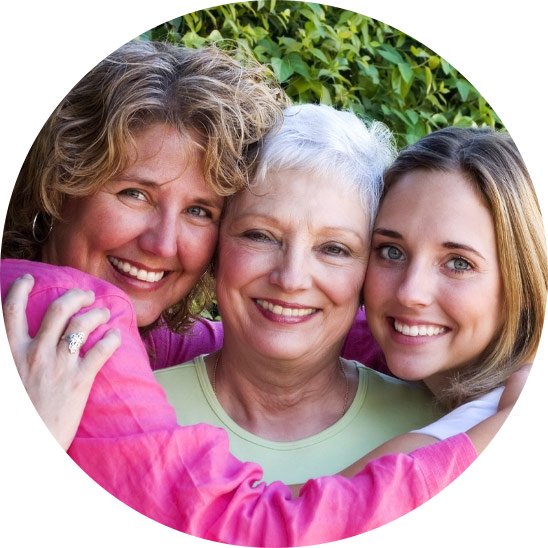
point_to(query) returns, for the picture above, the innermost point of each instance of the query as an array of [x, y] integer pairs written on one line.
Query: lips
[[289, 312], [418, 330], [138, 273]]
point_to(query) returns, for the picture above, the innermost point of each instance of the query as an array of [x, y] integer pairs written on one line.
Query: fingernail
[[27, 277]]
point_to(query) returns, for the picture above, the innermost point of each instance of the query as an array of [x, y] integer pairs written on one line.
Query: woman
[[127, 178], [290, 267], [149, 114], [456, 294], [462, 317], [148, 142], [498, 274]]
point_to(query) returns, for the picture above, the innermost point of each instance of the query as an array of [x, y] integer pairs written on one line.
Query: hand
[[483, 433], [57, 381], [513, 387]]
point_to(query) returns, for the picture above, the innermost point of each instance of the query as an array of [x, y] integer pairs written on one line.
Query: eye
[[257, 236], [134, 193], [198, 211], [458, 264], [335, 250], [390, 253]]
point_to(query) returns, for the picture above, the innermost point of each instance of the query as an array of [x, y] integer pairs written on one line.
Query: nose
[[292, 270], [416, 286], [160, 236]]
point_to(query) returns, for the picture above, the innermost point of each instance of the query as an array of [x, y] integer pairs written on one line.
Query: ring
[[75, 341]]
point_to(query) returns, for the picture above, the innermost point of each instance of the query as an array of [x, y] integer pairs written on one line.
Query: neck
[[280, 400]]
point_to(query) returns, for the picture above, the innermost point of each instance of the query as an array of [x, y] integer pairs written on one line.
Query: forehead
[[304, 193], [435, 198]]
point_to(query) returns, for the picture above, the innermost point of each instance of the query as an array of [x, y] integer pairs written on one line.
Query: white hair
[[329, 142]]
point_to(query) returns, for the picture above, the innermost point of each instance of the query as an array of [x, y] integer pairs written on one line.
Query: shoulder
[[50, 282], [183, 370], [49, 276], [391, 387]]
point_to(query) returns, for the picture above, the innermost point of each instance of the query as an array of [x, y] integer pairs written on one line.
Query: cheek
[[476, 309], [196, 249], [379, 282], [346, 288], [121, 229]]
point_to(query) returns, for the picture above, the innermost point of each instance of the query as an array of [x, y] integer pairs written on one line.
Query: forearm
[[188, 480]]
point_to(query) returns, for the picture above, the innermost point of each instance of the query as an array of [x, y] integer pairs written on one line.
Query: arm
[[194, 485], [360, 345], [186, 478], [168, 348], [483, 419]]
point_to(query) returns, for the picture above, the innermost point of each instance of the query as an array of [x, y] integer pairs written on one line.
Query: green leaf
[[297, 64], [406, 71], [434, 62], [390, 55], [282, 69], [412, 115], [428, 79], [325, 97], [439, 119], [319, 54], [464, 89]]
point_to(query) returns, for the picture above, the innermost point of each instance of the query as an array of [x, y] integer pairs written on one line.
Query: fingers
[[59, 314], [14, 310], [82, 325], [99, 353], [513, 387]]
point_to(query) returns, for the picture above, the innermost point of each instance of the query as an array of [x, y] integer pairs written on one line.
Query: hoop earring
[[36, 230]]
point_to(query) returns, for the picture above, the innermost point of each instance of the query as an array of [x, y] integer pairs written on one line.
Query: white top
[[464, 417]]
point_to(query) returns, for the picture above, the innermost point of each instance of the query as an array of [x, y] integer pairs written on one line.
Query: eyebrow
[[129, 178], [448, 245]]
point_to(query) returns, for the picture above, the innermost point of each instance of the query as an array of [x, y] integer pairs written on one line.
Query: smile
[[283, 311], [418, 330], [134, 272]]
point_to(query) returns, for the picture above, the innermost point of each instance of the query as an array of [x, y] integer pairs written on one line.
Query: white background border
[[47, 47]]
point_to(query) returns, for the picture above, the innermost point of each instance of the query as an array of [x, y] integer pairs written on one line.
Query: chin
[[145, 318]]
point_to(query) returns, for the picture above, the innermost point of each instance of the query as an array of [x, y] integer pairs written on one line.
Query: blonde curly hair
[[227, 99]]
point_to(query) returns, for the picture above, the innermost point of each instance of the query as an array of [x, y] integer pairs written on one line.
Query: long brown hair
[[492, 164]]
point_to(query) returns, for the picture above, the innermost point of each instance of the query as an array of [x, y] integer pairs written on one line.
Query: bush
[[325, 54]]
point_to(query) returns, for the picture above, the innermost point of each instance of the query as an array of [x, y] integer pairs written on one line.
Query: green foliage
[[325, 54]]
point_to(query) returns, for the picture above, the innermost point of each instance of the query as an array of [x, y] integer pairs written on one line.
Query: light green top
[[383, 408]]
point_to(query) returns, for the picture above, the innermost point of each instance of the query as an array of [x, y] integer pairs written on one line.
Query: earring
[[36, 229]]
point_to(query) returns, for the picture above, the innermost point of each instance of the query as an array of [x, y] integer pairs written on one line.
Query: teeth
[[418, 330], [139, 273], [281, 311]]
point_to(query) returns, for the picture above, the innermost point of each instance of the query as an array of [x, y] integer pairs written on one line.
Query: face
[[292, 258], [433, 290], [151, 230]]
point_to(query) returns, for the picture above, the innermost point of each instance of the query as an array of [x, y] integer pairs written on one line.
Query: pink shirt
[[186, 478]]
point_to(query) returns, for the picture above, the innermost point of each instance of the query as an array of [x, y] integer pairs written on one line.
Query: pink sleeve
[[186, 478], [167, 348], [125, 397], [360, 345]]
